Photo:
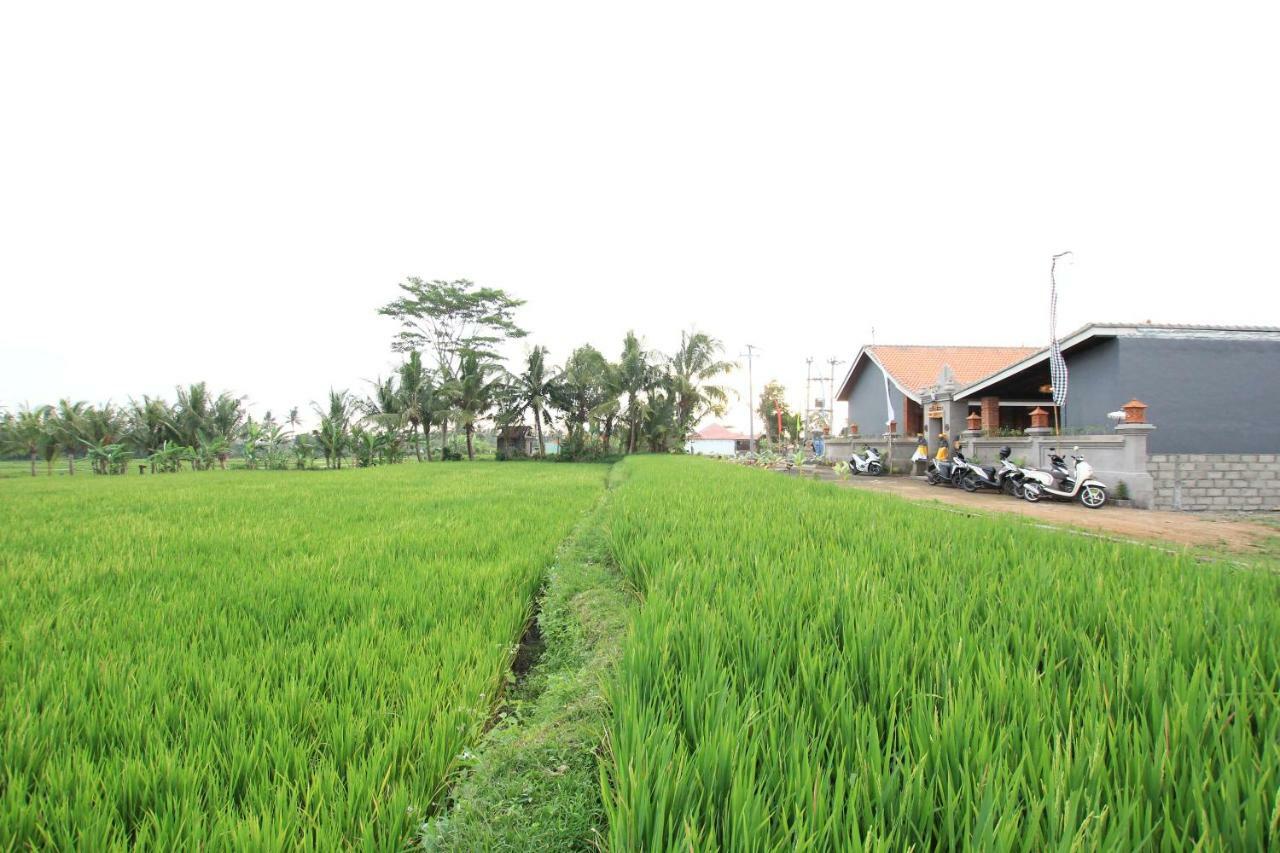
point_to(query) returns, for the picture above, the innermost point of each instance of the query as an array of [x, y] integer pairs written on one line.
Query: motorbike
[[1000, 479], [1011, 478], [948, 471], [1065, 483], [868, 463]]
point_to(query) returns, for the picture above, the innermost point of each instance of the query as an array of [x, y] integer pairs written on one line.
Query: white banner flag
[[1057, 364]]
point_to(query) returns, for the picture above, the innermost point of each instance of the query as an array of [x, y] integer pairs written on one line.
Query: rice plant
[[821, 669], [243, 661]]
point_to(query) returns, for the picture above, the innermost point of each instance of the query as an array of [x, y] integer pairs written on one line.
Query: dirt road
[[1169, 528]]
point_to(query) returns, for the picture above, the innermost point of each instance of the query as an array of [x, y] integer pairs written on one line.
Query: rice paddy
[[819, 669], [305, 660], [259, 661]]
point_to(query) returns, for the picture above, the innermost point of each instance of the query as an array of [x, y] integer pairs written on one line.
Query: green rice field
[[819, 669], [259, 660]]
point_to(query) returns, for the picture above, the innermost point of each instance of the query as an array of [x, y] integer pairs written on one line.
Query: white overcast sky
[[228, 192]]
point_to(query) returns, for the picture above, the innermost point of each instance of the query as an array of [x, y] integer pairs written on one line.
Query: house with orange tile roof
[[717, 440], [1193, 379], [885, 386]]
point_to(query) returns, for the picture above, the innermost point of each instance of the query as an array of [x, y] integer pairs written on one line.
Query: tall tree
[[105, 429], [773, 399], [333, 434], [635, 373], [477, 389], [533, 389], [150, 426], [68, 425], [451, 319], [29, 433], [386, 409], [694, 365], [191, 413], [579, 392], [224, 424], [418, 399]]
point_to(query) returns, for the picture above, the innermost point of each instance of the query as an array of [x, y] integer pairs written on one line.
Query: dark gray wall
[[1093, 386], [866, 401], [1205, 395]]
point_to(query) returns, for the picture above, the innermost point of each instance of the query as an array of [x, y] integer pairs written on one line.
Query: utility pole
[[808, 395], [751, 402], [831, 398]]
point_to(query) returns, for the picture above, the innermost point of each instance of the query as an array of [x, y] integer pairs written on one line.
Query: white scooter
[[868, 463], [1063, 483]]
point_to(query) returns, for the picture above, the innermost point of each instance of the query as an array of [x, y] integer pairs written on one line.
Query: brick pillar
[[990, 414]]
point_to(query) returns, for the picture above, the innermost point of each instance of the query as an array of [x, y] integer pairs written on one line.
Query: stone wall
[[1216, 481]]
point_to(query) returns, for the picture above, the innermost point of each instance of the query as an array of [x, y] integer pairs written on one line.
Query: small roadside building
[[515, 442], [716, 440]]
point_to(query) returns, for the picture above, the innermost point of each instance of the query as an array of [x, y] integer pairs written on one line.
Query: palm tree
[[29, 433], [191, 413], [635, 374], [335, 424], [150, 426], [103, 428], [533, 390], [68, 425], [693, 366], [225, 421], [386, 408], [607, 412], [578, 392], [418, 400], [475, 394]]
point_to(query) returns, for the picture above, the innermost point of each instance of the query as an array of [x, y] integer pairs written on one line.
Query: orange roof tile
[[915, 368], [715, 431]]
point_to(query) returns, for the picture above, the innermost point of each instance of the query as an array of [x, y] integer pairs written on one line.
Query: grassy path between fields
[[534, 781]]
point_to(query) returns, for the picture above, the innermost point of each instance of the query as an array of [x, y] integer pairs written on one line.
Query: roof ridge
[[958, 346]]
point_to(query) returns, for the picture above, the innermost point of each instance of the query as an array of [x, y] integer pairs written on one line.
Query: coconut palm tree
[[578, 392], [68, 425], [477, 390], [191, 413], [150, 426], [225, 420], [691, 369], [418, 400], [333, 435], [104, 431], [386, 409], [29, 433], [635, 374], [532, 391]]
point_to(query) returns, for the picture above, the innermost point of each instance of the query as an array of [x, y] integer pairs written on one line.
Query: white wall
[[712, 446]]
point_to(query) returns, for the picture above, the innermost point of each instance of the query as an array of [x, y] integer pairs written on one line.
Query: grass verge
[[534, 782]]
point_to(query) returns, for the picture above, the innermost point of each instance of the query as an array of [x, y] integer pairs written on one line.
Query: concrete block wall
[[1216, 481]]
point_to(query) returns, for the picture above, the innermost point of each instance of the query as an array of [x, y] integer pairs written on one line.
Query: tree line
[[451, 379]]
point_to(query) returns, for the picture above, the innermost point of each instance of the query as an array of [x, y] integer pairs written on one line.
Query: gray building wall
[[1093, 387], [1205, 396], [866, 401]]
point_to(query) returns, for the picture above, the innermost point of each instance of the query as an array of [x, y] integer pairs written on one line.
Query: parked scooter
[[946, 471], [1011, 477], [1065, 483], [868, 463], [991, 477]]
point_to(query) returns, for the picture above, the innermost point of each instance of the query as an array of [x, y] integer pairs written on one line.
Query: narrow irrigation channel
[[533, 781]]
